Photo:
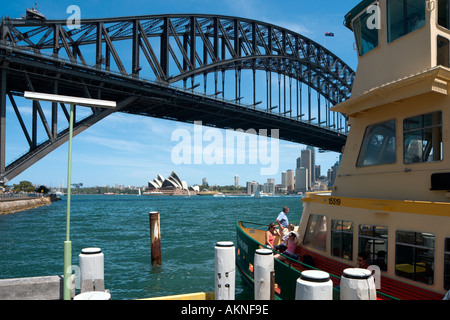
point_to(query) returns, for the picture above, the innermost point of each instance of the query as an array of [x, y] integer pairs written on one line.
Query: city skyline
[[130, 150], [236, 179], [237, 182], [298, 180]]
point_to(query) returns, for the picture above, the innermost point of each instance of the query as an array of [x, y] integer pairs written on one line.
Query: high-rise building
[[317, 172], [301, 180], [252, 187], [236, 181], [333, 173], [290, 183], [313, 165], [306, 163], [269, 186], [283, 185]]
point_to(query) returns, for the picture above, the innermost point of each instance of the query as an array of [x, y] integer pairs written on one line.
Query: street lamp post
[[72, 101]]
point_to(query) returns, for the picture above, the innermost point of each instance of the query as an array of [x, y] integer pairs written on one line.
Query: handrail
[[304, 264], [18, 196]]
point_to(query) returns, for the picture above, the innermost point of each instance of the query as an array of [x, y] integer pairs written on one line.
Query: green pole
[[68, 243]]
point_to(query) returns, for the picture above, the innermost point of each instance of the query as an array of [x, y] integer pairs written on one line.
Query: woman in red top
[[270, 235]]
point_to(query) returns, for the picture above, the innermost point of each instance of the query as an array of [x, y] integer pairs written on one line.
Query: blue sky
[[130, 150]]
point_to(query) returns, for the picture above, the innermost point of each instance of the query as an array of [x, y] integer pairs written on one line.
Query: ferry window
[[373, 240], [414, 256], [316, 232], [443, 13], [342, 239], [447, 264], [443, 58], [379, 145], [404, 16], [366, 39], [422, 138]]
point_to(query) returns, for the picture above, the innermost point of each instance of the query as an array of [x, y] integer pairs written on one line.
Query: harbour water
[[31, 242]]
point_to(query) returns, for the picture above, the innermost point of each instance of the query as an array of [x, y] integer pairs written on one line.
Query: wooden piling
[[272, 285], [155, 237]]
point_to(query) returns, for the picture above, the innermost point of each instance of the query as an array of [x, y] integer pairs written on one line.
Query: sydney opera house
[[173, 185]]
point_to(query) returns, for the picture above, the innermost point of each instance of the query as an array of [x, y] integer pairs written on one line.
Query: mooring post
[[155, 237], [314, 285], [357, 284], [264, 265], [92, 269], [225, 270]]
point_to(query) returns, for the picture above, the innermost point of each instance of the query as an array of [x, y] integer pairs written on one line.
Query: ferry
[[33, 14], [259, 194], [391, 197], [219, 195]]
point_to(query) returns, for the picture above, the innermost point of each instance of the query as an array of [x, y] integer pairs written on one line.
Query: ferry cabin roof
[[392, 190], [398, 146], [398, 38]]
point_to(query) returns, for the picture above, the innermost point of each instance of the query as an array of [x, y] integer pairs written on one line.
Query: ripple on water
[[31, 242]]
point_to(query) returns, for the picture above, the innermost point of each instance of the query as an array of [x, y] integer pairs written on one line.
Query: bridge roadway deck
[[153, 99]]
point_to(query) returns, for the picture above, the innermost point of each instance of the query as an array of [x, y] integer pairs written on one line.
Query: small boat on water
[[33, 14], [391, 198], [219, 195], [259, 194], [154, 193]]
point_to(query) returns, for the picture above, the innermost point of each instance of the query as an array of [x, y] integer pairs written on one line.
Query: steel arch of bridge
[[111, 58]]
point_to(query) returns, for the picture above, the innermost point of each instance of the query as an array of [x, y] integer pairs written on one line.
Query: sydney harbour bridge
[[228, 72]]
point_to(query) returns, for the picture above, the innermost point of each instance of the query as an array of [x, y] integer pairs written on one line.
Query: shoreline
[[12, 206]]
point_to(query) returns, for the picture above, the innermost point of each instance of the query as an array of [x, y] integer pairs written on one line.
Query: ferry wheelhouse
[[391, 197]]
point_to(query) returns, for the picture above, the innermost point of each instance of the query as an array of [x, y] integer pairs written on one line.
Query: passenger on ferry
[[381, 260], [291, 242], [415, 22], [362, 260], [283, 221], [271, 233], [282, 247]]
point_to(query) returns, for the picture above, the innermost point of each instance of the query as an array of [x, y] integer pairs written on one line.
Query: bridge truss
[[227, 72]]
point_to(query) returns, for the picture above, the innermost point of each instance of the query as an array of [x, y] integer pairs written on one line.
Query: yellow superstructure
[[391, 196]]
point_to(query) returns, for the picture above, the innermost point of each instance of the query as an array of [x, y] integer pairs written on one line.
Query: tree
[[23, 186], [42, 189]]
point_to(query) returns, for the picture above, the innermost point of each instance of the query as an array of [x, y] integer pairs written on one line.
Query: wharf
[[11, 205]]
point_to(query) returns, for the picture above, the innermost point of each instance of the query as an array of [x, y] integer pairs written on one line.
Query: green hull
[[285, 275]]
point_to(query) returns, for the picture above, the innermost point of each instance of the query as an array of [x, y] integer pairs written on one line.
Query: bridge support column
[[2, 123]]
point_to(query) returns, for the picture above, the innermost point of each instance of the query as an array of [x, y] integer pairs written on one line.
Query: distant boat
[[34, 14], [260, 194], [109, 193], [154, 193], [220, 194], [139, 192], [206, 193]]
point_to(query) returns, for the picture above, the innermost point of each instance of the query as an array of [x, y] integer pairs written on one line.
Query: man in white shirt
[[283, 221]]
